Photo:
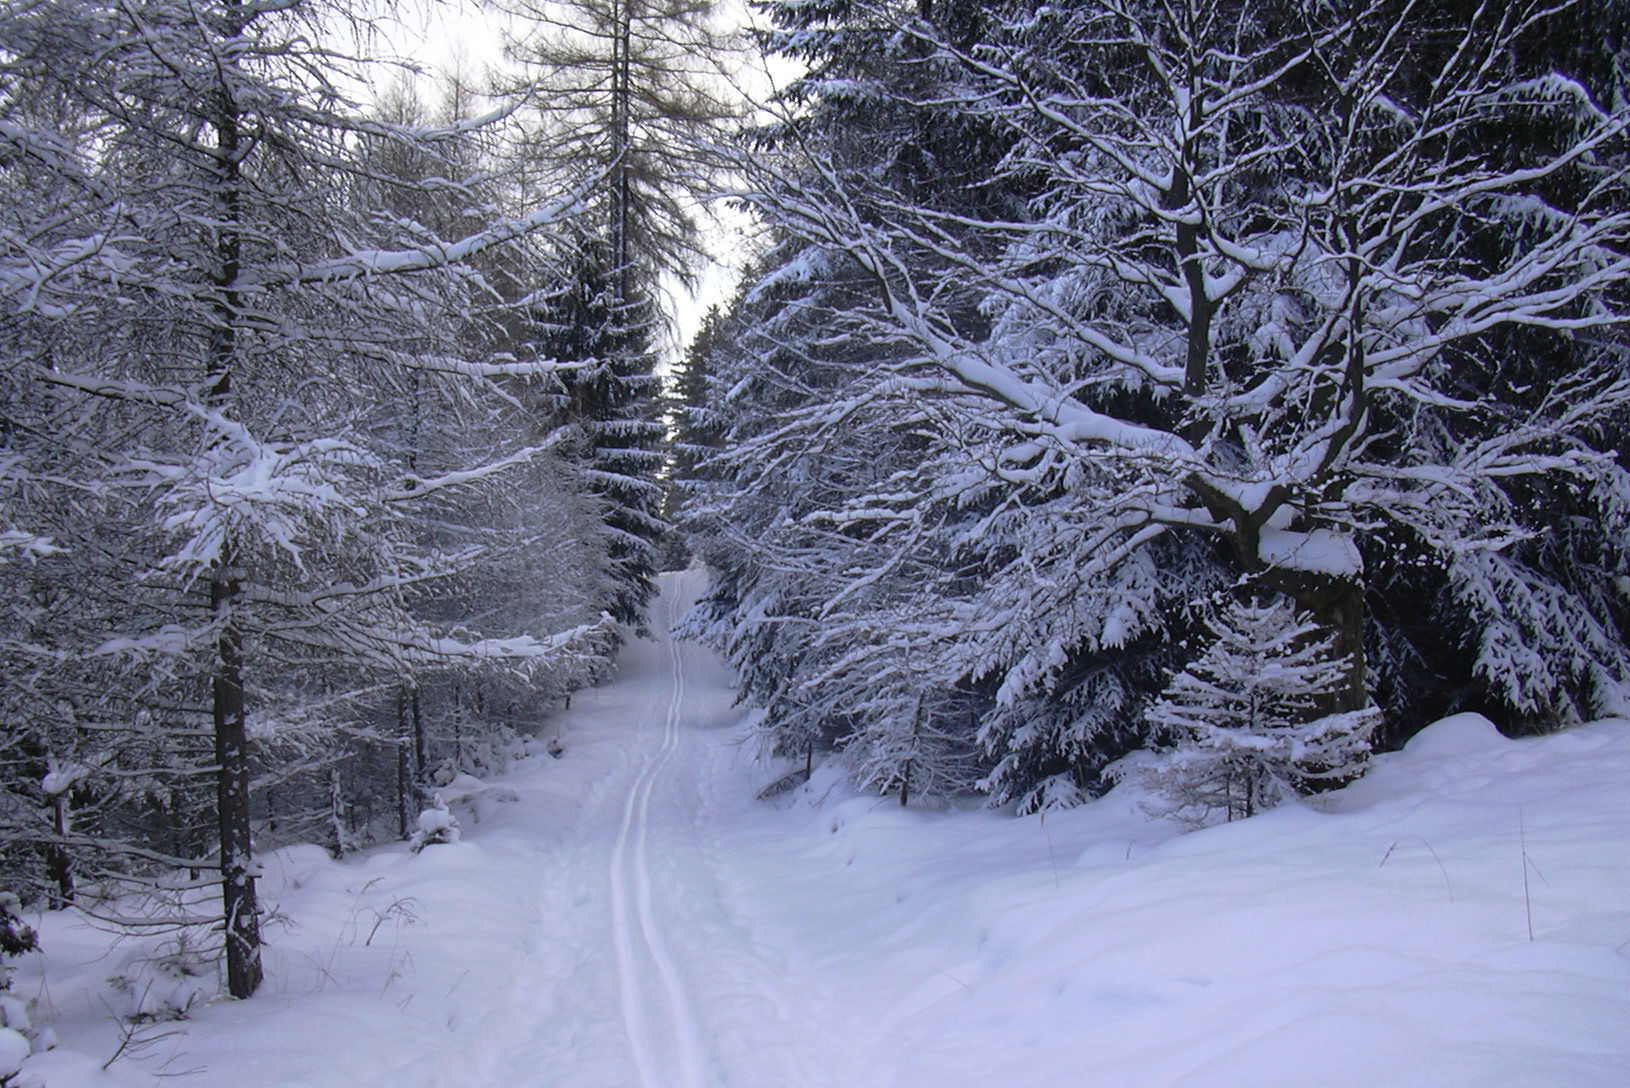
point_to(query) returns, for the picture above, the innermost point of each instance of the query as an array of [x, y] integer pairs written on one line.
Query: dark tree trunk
[[404, 769], [338, 837], [621, 193], [58, 864], [1336, 605], [421, 743], [240, 910]]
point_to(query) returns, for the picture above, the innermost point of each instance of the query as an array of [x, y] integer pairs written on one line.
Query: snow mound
[[14, 1050], [1382, 935], [476, 797], [1459, 735], [292, 867]]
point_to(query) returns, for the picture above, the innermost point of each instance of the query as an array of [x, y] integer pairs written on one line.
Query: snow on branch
[[366, 264]]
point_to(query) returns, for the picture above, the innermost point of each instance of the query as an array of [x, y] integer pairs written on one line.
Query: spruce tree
[[627, 93], [214, 330], [1247, 716]]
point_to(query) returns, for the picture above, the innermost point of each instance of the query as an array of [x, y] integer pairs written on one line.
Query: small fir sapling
[[437, 824], [1245, 718], [168, 983]]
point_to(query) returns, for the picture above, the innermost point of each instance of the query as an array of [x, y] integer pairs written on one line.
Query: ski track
[[649, 970], [630, 864]]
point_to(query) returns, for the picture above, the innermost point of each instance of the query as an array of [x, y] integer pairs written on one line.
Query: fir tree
[[1246, 717]]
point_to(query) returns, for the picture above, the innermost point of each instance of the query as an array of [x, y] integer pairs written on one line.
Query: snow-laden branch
[[366, 264]]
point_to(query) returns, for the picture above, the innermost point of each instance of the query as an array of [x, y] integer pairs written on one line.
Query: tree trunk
[[905, 771], [404, 769], [1336, 605], [57, 862], [339, 840], [621, 89], [458, 725], [1338, 608], [421, 743], [240, 910]]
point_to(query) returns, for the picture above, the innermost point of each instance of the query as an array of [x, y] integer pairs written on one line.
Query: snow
[[437, 826], [15, 543], [61, 779], [433, 821], [635, 918], [1319, 551], [14, 1050]]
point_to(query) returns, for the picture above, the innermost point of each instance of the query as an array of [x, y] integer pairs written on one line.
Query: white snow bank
[[1378, 936], [14, 1049]]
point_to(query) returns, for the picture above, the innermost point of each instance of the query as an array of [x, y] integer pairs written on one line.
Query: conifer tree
[[1263, 302], [210, 329], [631, 89], [1247, 717]]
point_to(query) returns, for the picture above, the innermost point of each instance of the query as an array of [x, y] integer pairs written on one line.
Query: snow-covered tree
[[693, 426], [633, 87], [801, 432], [1245, 314], [219, 332], [1247, 719], [632, 90], [601, 346]]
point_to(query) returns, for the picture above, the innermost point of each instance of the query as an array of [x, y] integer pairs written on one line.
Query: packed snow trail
[[635, 902], [633, 867]]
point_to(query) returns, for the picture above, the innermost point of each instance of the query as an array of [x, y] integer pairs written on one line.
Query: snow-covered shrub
[[437, 824], [1246, 722], [16, 937], [17, 1022], [18, 1036], [167, 985], [14, 1050]]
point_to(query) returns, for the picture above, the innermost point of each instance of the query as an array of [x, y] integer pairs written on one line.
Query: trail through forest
[[629, 916], [659, 978]]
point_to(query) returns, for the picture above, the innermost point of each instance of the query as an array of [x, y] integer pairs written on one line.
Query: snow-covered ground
[[1459, 917]]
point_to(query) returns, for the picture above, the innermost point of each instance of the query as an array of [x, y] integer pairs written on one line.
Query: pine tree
[[1247, 717], [606, 411], [693, 427]]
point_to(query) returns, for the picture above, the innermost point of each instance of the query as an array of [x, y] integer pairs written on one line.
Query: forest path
[[628, 916], [649, 972]]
